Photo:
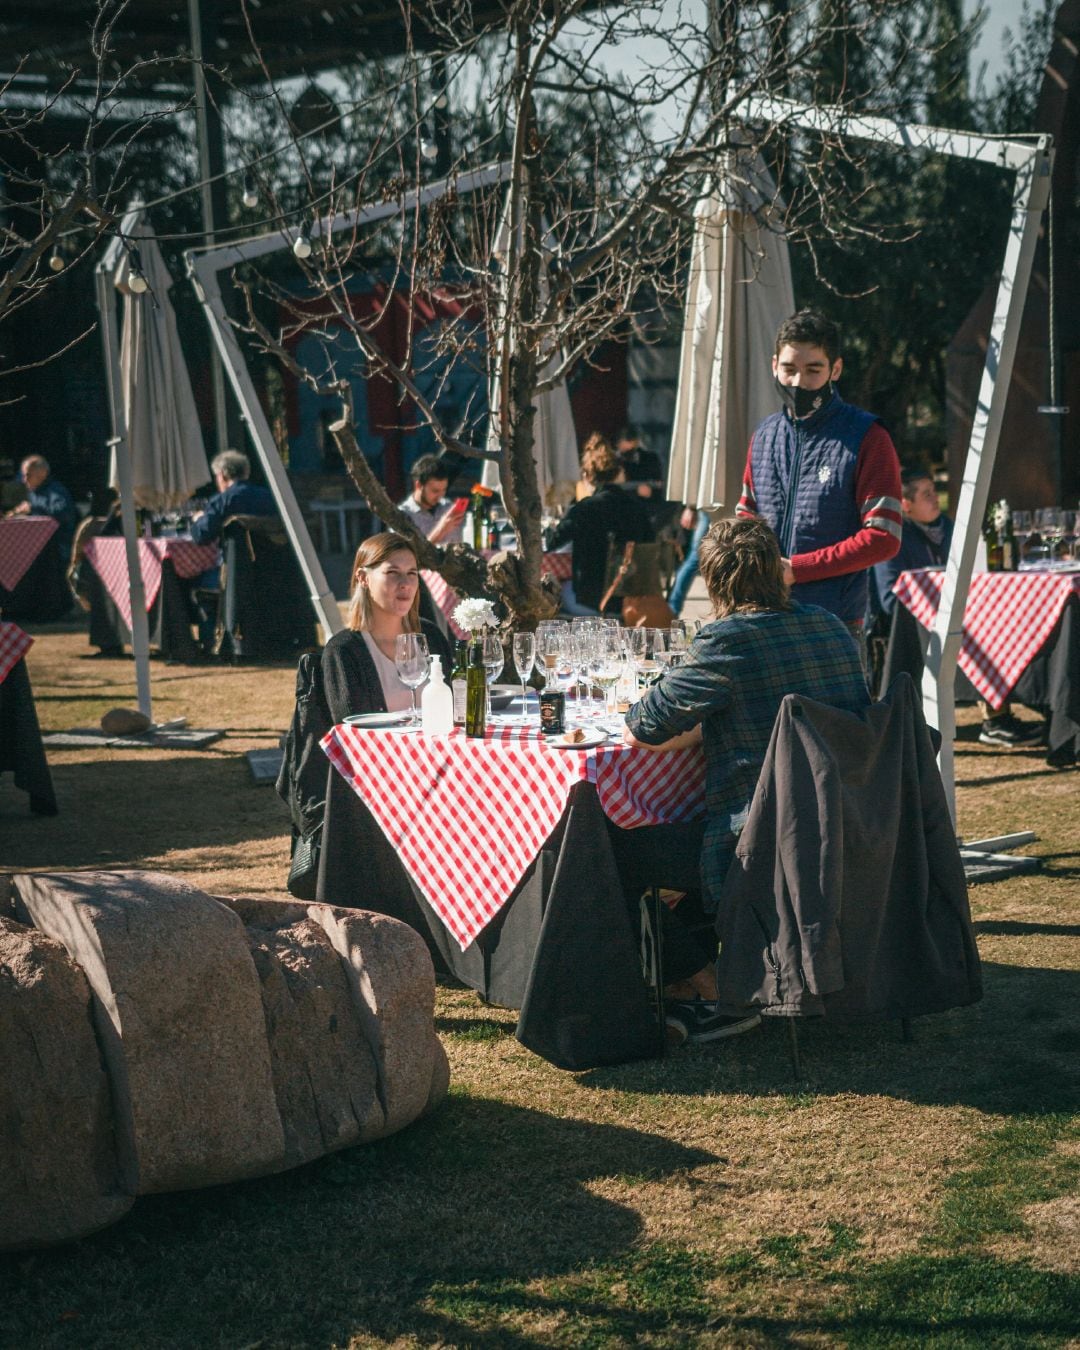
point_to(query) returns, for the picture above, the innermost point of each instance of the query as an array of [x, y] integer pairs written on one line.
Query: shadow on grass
[[357, 1245], [1011, 1054], [1010, 928], [126, 810]]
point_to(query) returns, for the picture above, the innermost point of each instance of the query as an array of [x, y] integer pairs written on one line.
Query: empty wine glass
[[413, 662], [524, 657], [494, 659], [549, 633]]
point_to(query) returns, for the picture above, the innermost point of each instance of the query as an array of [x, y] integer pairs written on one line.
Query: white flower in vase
[[474, 615]]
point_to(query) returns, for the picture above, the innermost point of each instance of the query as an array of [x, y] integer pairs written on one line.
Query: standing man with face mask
[[825, 475]]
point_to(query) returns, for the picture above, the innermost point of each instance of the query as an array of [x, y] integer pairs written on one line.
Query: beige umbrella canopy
[[739, 293], [164, 439], [554, 436]]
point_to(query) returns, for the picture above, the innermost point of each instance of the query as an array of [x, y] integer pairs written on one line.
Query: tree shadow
[[478, 1193]]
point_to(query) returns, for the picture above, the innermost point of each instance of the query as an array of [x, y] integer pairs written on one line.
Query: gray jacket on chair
[[847, 893]]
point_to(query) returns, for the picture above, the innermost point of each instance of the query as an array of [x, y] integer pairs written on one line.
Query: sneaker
[[1010, 731], [701, 1022]]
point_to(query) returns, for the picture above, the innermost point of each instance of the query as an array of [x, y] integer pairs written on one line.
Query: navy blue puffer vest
[[804, 485]]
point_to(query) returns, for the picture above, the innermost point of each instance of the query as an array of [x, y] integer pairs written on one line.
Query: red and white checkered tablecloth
[[108, 558], [1009, 616], [21, 540], [555, 565], [14, 644], [467, 817]]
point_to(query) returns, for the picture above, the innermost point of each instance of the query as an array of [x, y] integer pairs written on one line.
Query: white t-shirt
[[427, 520], [397, 695]]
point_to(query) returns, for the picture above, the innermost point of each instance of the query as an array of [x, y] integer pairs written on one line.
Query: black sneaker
[[1010, 732], [701, 1022]]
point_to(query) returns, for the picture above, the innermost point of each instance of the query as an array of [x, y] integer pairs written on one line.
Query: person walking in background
[[825, 475], [45, 496], [698, 523]]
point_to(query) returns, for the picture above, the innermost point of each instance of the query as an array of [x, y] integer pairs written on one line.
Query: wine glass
[[1021, 523], [566, 658], [494, 659], [524, 657], [549, 633], [606, 665], [412, 661]]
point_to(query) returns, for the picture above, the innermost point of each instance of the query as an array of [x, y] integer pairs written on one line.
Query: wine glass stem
[[413, 718]]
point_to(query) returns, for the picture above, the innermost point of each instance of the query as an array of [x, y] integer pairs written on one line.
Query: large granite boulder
[[217, 1038], [179, 1016], [60, 1176], [335, 980]]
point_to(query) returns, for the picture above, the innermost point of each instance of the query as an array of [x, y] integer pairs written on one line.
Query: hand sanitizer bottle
[[436, 703]]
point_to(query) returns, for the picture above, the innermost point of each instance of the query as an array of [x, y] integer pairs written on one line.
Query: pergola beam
[[1032, 162]]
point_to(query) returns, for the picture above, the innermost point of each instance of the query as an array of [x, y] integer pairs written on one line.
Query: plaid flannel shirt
[[732, 681]]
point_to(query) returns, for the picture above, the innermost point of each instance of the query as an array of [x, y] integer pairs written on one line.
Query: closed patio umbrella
[[164, 438], [739, 293], [158, 458], [554, 436]]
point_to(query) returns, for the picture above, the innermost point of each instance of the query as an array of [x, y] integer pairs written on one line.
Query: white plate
[[383, 719], [502, 695], [592, 739]]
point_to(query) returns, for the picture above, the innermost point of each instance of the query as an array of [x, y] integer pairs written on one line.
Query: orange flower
[[479, 490]]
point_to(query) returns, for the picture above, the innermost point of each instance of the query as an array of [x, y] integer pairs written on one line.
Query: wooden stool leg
[[793, 1046], [652, 949]]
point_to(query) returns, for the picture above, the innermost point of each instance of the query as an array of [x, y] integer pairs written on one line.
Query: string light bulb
[[428, 148], [250, 196], [56, 261], [302, 243]]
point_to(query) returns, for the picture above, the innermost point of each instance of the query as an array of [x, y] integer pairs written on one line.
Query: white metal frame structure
[[205, 266], [1032, 163]]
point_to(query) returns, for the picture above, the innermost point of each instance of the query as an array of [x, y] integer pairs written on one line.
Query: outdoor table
[[32, 582], [498, 853], [1021, 640], [164, 563], [21, 749], [557, 565]]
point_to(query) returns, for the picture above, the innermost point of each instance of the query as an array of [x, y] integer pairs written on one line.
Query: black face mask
[[803, 402]]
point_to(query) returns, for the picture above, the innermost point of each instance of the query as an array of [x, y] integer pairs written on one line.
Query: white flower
[[474, 614]]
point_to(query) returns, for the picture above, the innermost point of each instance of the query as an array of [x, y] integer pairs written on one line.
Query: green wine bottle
[[1010, 552], [458, 682], [476, 691], [993, 543]]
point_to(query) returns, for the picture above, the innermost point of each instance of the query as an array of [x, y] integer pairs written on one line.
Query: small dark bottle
[[476, 692]]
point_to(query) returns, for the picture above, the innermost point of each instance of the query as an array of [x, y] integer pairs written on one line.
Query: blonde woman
[[358, 670]]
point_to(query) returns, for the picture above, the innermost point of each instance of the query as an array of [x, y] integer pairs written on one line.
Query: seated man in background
[[47, 497], [644, 472], [235, 497], [433, 514], [760, 647], [924, 542]]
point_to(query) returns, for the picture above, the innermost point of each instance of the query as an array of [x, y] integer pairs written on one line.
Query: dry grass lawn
[[897, 1194]]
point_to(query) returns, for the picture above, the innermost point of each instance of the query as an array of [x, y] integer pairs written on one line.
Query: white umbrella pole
[[140, 629]]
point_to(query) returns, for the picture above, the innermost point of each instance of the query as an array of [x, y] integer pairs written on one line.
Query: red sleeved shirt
[[877, 492]]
